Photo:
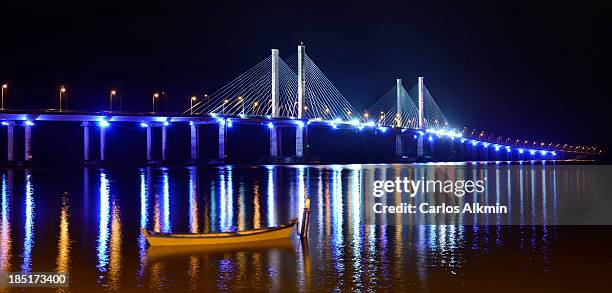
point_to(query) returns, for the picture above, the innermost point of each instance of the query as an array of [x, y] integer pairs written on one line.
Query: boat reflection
[[161, 252]]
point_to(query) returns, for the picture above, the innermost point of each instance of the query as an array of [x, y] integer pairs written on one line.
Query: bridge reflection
[[343, 250]]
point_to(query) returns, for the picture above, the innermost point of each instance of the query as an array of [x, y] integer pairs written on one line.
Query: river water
[[85, 221]]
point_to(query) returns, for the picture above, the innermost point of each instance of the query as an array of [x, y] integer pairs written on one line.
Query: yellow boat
[[177, 252], [223, 238]]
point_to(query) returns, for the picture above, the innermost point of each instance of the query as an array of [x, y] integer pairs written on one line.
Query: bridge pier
[[399, 146], [194, 142], [420, 147], [86, 157], [164, 142], [431, 146], [151, 160], [149, 144], [27, 154], [222, 132], [102, 143], [9, 140], [274, 141], [299, 141]]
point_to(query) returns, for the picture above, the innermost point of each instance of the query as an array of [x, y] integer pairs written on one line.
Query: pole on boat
[[305, 218]]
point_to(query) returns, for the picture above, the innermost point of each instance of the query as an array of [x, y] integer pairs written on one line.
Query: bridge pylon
[[275, 89], [399, 143], [301, 79], [421, 107]]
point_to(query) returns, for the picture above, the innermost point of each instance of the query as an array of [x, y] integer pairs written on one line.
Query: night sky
[[524, 70]]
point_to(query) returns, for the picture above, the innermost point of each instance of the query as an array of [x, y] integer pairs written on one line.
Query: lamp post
[[62, 93], [110, 100], [155, 96], [4, 89], [193, 99], [224, 102]]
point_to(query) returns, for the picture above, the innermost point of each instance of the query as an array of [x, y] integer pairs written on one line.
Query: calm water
[[92, 231]]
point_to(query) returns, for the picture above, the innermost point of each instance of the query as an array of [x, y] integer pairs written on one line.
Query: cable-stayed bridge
[[295, 93], [273, 88]]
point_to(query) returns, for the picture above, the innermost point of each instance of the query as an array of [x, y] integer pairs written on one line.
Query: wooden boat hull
[[162, 252], [247, 236]]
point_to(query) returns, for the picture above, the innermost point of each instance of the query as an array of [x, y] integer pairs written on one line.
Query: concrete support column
[[299, 141], [102, 143], [164, 142], [273, 142], [9, 140], [399, 146], [27, 155], [195, 140], [279, 137], [222, 130], [85, 141], [420, 146], [149, 138]]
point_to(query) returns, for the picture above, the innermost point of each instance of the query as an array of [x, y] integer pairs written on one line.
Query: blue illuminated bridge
[[294, 93]]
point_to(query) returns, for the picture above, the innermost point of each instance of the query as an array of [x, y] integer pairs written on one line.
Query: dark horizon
[[540, 62]]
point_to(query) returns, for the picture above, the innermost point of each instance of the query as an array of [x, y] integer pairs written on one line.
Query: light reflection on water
[[5, 225], [28, 241], [63, 245], [342, 252], [104, 216]]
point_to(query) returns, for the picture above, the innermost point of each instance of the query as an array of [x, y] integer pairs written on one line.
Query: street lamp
[[4, 88], [155, 96], [224, 102], [62, 93], [110, 98], [193, 99], [203, 106]]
